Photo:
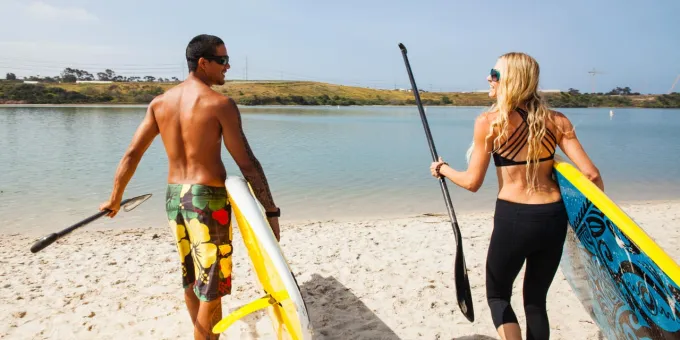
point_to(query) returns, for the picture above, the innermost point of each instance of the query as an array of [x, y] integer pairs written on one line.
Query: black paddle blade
[[463, 292]]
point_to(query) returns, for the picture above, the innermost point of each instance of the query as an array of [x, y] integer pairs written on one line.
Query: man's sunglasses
[[495, 75], [219, 59]]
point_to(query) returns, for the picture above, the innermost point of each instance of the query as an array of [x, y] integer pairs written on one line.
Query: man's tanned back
[[187, 117]]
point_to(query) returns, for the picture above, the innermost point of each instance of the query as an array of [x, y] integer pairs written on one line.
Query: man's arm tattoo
[[258, 180]]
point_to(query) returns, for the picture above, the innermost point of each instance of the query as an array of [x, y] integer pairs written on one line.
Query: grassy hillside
[[297, 93], [314, 93]]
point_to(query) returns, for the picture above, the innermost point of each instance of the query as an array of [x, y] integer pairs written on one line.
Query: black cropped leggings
[[531, 232]]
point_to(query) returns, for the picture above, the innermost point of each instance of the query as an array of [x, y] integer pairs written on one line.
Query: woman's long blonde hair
[[518, 86]]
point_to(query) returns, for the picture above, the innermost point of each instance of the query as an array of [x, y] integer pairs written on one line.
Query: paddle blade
[[44, 242], [134, 202], [463, 291]]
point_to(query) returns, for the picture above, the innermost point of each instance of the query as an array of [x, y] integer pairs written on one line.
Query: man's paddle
[[126, 205], [463, 292]]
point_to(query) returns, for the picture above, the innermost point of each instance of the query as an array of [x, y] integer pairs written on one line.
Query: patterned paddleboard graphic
[[624, 290]]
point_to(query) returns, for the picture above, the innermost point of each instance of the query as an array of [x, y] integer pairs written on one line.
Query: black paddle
[[127, 205], [463, 293]]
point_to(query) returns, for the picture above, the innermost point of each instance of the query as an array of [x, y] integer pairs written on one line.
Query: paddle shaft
[[430, 142], [463, 292], [51, 238]]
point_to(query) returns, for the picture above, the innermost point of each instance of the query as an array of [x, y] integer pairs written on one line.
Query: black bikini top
[[506, 152]]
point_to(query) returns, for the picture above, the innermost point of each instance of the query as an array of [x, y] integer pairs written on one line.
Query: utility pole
[[246, 67], [593, 73]]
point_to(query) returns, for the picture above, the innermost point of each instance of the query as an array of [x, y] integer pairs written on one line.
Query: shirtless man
[[192, 119]]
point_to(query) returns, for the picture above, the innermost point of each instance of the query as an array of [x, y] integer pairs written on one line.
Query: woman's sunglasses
[[495, 75]]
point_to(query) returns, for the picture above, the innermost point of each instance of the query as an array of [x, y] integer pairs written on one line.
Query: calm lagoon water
[[57, 163]]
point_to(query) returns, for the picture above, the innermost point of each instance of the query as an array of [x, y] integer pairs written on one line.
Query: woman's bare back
[[512, 179]]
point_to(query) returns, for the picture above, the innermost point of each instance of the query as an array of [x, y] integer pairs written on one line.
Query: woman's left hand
[[433, 167]]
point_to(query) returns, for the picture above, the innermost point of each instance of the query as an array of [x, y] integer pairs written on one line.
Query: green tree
[[78, 74], [69, 78], [11, 76], [107, 75]]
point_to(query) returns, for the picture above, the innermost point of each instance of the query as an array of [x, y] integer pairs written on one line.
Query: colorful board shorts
[[200, 219]]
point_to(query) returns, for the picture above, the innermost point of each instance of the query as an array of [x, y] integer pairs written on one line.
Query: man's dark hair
[[203, 45]]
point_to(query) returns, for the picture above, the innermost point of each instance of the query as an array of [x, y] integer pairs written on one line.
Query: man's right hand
[[274, 224], [112, 207]]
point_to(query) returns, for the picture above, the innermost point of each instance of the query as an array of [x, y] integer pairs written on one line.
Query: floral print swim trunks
[[200, 218]]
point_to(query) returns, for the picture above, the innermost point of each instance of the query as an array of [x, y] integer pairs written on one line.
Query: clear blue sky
[[452, 44]]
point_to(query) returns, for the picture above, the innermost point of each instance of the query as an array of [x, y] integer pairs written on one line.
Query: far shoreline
[[309, 93], [273, 106]]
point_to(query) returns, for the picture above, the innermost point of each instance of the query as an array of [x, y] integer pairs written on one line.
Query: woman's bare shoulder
[[488, 116], [563, 124]]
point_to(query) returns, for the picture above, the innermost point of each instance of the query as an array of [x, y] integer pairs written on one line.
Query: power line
[[169, 70], [55, 62]]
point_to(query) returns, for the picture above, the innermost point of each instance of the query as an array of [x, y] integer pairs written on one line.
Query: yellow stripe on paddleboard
[[284, 315], [251, 307], [621, 220], [283, 302]]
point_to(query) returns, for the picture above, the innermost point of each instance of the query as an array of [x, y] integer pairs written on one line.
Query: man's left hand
[[274, 224]]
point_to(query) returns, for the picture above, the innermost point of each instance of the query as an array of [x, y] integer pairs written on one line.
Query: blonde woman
[[530, 220]]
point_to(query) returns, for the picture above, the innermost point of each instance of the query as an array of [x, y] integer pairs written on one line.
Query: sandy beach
[[372, 279]]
